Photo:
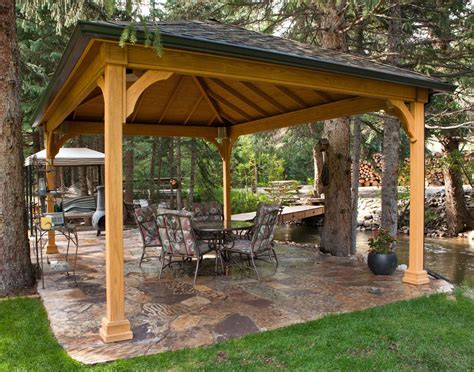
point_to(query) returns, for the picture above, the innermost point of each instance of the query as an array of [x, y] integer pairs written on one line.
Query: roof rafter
[[202, 87], [269, 99], [230, 105], [294, 97], [170, 100], [233, 92]]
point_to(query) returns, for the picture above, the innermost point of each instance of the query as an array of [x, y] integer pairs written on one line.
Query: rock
[[402, 267]]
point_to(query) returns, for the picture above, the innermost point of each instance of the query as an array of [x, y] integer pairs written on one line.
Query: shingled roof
[[224, 39], [230, 39]]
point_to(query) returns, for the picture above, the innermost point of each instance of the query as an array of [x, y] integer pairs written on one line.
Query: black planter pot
[[382, 264]]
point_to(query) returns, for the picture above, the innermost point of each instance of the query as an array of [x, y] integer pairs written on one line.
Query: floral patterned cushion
[[207, 211], [176, 233], [147, 226]]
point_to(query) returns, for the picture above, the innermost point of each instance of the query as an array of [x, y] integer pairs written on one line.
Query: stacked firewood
[[434, 172], [370, 172]]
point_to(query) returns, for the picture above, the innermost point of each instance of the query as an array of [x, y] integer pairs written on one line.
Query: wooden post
[[225, 149], [51, 247], [115, 327], [415, 273]]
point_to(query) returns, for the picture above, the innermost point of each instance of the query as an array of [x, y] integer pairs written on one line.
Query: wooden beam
[[74, 93], [415, 274], [136, 129], [269, 99], [400, 109], [236, 94], [294, 97], [149, 78], [345, 107], [202, 88], [323, 96], [89, 100], [209, 65], [193, 110], [171, 99], [115, 326], [234, 108], [225, 150]]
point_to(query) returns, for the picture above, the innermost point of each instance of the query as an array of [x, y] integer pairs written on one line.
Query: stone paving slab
[[171, 313]]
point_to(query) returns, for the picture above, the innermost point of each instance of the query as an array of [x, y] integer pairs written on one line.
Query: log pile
[[370, 172]]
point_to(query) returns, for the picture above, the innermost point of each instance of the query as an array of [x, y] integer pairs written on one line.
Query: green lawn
[[430, 333]]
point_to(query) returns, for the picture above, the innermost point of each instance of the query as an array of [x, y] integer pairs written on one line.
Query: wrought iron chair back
[[178, 239], [265, 225], [148, 228]]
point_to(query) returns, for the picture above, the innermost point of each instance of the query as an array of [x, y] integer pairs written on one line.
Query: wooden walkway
[[289, 213]]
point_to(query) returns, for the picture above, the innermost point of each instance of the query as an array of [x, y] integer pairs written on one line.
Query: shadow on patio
[[171, 313]]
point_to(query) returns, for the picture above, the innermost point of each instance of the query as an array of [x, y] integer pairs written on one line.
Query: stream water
[[451, 257]]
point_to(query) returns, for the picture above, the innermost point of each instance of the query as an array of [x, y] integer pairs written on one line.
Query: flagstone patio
[[171, 313]]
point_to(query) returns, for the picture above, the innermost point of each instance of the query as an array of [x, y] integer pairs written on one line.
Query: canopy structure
[[217, 82], [68, 157]]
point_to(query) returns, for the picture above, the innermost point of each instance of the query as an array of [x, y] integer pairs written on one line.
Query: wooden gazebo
[[217, 82]]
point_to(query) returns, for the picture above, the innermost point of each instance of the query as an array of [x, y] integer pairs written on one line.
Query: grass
[[429, 333]]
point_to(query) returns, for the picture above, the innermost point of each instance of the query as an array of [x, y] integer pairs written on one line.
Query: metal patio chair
[[146, 221], [260, 243], [179, 240]]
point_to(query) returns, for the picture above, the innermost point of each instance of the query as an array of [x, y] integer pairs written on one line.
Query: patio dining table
[[221, 234]]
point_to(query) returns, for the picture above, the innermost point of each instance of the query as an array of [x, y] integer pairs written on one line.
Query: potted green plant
[[382, 260]]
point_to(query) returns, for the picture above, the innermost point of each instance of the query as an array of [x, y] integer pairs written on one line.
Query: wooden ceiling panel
[[202, 115], [155, 99]]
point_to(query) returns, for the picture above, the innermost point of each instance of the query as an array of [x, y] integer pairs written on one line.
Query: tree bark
[[159, 167], [129, 165], [336, 234], [391, 133], [15, 264], [152, 184], [82, 171], [391, 141], [179, 200], [172, 169], [458, 216], [356, 136], [192, 171]]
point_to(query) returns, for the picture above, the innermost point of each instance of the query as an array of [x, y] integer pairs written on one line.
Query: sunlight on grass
[[428, 333]]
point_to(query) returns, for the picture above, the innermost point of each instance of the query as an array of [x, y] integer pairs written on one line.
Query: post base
[[416, 277], [113, 331], [52, 249]]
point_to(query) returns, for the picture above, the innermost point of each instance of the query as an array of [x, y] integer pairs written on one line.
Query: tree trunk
[[391, 133], [318, 171], [337, 227], [355, 180], [36, 141], [15, 264], [82, 171], [179, 201], [336, 234], [458, 217], [129, 165], [254, 178], [171, 166], [391, 141], [192, 171], [152, 184], [159, 167]]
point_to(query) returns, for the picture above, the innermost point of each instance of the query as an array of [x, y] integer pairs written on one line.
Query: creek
[[453, 258]]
